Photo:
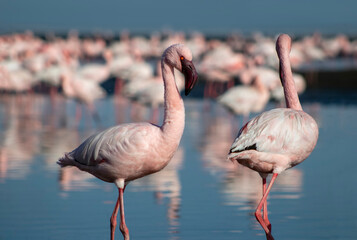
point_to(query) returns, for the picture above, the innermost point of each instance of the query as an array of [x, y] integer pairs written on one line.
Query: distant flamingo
[[83, 90], [246, 99], [218, 67], [277, 139], [129, 151], [94, 71]]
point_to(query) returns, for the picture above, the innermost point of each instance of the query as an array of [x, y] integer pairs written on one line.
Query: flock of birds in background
[[80, 67], [264, 144]]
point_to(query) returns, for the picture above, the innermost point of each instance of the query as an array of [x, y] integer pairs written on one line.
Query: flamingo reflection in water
[[130, 151], [242, 188], [19, 141], [166, 184], [54, 141], [277, 139], [216, 141]]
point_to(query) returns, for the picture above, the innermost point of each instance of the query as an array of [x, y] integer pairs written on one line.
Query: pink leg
[[53, 93], [258, 212], [123, 228], [118, 86], [113, 219], [265, 206]]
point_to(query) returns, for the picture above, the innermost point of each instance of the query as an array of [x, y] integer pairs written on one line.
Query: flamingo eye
[[182, 58]]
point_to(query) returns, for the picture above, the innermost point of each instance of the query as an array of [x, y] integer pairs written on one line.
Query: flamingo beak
[[189, 71]]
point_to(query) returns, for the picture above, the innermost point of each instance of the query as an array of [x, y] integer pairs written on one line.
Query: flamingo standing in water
[[277, 139], [83, 90], [129, 151], [246, 99]]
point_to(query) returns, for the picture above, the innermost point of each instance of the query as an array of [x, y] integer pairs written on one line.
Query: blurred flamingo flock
[[89, 68]]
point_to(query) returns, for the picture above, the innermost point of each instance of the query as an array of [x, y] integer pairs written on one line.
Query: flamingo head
[[179, 56], [283, 44]]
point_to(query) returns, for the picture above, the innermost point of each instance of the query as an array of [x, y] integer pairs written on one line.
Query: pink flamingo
[[129, 151], [277, 139], [83, 90], [246, 99]]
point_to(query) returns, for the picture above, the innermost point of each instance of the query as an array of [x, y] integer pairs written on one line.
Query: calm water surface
[[198, 195]]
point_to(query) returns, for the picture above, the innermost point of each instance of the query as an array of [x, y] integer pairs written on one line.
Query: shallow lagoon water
[[199, 195]]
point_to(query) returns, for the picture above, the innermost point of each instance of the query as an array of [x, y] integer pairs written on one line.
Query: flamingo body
[[275, 140], [82, 89], [128, 151], [245, 99], [96, 72]]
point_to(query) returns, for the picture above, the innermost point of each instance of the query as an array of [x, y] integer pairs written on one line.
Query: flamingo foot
[[125, 231], [269, 236], [268, 225]]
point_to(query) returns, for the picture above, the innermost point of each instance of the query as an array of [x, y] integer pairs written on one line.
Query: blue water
[[198, 196], [209, 16]]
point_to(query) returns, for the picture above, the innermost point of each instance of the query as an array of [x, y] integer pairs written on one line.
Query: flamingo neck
[[174, 118], [287, 80]]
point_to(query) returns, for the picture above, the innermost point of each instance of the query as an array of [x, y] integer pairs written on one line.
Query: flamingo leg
[[118, 86], [265, 206], [258, 212], [123, 228], [113, 219]]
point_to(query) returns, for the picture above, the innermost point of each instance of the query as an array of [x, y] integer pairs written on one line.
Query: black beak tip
[[187, 91], [189, 71]]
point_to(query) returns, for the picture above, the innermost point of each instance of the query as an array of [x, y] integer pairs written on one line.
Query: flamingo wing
[[126, 141], [282, 131]]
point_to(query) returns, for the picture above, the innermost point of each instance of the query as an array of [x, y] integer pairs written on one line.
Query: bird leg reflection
[[258, 212]]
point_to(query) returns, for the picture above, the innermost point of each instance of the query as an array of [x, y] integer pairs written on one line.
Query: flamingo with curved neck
[[277, 139], [129, 151]]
